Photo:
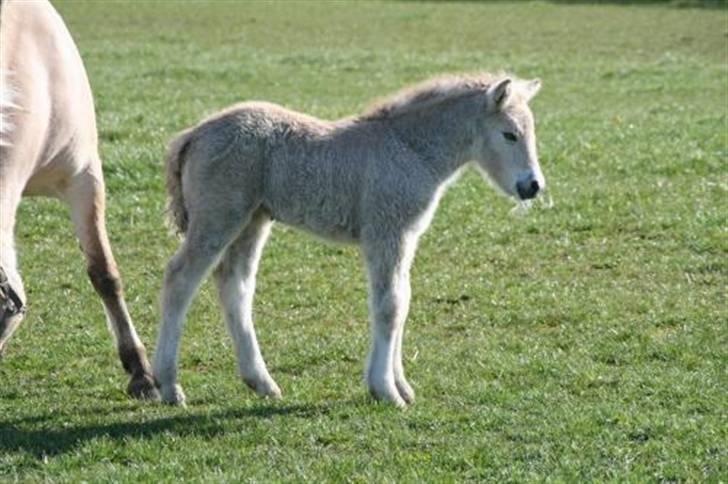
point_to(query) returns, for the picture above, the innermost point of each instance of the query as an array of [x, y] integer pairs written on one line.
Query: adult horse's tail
[[174, 166]]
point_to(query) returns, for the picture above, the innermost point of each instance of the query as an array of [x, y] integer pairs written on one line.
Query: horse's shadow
[[55, 441]]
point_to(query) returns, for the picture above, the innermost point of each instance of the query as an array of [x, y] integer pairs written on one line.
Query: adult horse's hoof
[[142, 387]]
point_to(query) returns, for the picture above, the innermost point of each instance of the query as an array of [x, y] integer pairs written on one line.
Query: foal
[[48, 146], [374, 180]]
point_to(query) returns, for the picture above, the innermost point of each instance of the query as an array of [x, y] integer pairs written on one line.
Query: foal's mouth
[[523, 205]]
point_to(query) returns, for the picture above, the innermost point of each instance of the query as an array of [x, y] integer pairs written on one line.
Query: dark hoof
[[142, 387]]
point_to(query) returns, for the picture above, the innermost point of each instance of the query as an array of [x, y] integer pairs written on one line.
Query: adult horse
[[48, 146]]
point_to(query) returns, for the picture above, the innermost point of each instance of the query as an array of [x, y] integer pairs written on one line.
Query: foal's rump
[[207, 162]]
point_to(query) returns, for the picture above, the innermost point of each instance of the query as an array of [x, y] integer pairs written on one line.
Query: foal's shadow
[[55, 440]]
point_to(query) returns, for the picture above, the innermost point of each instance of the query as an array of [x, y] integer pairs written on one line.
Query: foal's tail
[[174, 165]]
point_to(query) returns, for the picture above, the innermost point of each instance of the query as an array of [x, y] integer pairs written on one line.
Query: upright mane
[[430, 92]]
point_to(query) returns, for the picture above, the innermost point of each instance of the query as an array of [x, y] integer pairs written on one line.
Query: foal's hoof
[[142, 387], [173, 395], [264, 388], [388, 395], [405, 391]]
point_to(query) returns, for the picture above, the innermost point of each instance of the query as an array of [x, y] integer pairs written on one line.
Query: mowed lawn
[[587, 341]]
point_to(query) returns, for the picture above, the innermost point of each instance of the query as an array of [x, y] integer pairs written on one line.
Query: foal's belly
[[310, 196], [342, 230]]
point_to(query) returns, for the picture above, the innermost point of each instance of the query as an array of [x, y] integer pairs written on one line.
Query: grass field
[[583, 342]]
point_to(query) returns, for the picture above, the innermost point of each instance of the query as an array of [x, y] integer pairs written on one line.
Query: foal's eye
[[511, 137]]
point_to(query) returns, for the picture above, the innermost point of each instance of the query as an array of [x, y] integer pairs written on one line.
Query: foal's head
[[507, 153]]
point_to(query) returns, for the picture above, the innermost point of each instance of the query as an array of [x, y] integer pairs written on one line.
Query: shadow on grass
[[658, 3], [663, 3], [55, 441]]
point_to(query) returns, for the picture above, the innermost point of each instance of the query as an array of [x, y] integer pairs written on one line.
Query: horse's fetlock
[[134, 360], [106, 282]]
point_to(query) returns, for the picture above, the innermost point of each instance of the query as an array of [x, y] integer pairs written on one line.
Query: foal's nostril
[[527, 189]]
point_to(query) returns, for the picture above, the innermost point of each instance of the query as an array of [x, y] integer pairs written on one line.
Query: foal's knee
[[386, 309]]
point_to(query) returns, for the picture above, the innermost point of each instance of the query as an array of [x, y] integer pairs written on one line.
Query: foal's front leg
[[389, 296], [404, 388], [235, 280]]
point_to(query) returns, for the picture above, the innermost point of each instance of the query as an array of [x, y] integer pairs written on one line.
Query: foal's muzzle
[[527, 189]]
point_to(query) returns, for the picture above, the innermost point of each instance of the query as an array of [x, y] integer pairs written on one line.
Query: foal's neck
[[442, 136]]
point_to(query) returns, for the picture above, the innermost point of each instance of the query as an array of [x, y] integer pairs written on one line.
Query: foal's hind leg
[[235, 279], [207, 236], [86, 196]]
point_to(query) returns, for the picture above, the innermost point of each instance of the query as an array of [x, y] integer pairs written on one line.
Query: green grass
[[584, 342]]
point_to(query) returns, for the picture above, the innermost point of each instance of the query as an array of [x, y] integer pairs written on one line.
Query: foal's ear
[[499, 94], [531, 88]]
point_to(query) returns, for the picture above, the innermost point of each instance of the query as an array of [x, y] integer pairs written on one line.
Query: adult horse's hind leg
[[12, 294], [235, 280], [207, 236], [86, 195]]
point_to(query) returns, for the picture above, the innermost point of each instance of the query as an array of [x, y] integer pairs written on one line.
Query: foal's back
[[304, 171]]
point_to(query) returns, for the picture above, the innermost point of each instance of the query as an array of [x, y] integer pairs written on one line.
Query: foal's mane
[[431, 92]]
